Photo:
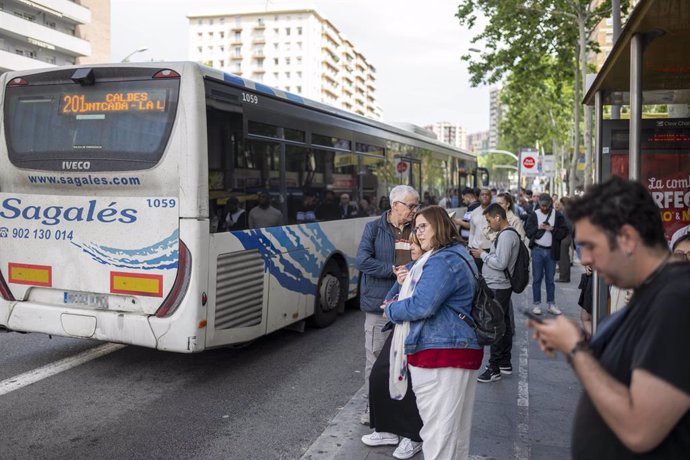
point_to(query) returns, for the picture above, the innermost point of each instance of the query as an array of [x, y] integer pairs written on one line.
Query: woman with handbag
[[439, 348]]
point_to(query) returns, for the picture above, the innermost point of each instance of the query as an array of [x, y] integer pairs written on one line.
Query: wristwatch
[[581, 345]]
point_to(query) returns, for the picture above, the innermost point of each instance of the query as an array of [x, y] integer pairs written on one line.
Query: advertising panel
[[665, 164]]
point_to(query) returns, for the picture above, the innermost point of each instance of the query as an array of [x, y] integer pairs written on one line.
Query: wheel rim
[[330, 292]]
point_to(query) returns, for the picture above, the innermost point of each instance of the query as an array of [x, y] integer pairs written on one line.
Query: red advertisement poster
[[667, 177]]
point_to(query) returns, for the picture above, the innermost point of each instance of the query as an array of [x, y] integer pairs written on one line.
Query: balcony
[[260, 26], [259, 40], [259, 54], [236, 57], [64, 9], [12, 61], [20, 29], [236, 28]]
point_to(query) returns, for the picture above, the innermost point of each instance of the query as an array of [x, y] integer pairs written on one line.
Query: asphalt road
[[268, 400]]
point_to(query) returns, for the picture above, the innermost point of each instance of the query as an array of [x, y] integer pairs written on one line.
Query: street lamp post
[[140, 50]]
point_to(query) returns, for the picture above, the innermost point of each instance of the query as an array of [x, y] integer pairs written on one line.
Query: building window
[[275, 61], [287, 74], [200, 22], [222, 34], [287, 61], [299, 31], [199, 35], [299, 60], [222, 63], [222, 48], [299, 89], [210, 35], [210, 21], [222, 21], [287, 31], [299, 74], [275, 75], [238, 51], [238, 36]]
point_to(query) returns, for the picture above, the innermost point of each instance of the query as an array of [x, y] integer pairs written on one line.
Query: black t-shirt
[[651, 333]]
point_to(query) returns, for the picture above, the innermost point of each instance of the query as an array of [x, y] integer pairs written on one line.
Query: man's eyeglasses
[[421, 228], [411, 206], [682, 255]]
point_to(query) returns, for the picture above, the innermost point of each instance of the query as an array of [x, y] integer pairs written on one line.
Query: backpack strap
[[463, 316], [507, 270]]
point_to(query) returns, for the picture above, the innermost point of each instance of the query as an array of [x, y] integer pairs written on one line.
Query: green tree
[[529, 41]]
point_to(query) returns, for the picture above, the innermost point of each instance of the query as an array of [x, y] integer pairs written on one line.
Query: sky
[[414, 45]]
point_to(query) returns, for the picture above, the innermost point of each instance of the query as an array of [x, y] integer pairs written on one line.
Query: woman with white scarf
[[440, 350]]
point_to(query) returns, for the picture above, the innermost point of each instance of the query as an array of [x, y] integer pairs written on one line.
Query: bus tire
[[330, 297]]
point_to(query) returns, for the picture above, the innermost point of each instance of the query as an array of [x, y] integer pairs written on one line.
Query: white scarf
[[397, 381]]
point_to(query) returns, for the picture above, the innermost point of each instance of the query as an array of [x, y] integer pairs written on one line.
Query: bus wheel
[[329, 297]]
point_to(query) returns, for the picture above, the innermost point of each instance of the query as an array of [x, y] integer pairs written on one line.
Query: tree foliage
[[533, 48]]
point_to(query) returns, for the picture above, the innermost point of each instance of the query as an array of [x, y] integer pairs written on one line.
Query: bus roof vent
[[84, 77]]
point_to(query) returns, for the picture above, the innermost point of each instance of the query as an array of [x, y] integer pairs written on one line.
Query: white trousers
[[445, 399], [373, 342]]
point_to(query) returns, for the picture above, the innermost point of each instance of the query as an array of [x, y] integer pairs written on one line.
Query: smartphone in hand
[[532, 316]]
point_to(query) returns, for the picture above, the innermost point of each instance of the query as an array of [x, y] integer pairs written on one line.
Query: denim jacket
[[445, 289], [375, 260]]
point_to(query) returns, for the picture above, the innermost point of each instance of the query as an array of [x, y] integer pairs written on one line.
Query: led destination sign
[[107, 102]]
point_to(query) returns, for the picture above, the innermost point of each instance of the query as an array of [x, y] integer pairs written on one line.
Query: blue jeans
[[543, 266]]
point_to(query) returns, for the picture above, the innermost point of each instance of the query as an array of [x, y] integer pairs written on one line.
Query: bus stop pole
[[600, 290], [636, 52]]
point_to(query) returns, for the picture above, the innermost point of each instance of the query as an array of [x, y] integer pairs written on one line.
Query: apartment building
[[496, 110], [450, 133], [476, 142], [298, 51], [45, 33]]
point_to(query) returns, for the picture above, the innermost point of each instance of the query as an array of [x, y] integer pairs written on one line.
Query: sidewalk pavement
[[526, 415]]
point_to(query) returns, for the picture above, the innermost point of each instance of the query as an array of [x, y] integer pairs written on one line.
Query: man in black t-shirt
[[636, 398]]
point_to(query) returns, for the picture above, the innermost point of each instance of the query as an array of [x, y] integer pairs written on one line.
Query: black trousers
[[501, 351], [390, 415]]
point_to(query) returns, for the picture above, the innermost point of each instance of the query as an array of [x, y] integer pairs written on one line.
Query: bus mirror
[[84, 77]]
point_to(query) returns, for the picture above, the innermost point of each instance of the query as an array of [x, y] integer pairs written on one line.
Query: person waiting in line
[[501, 257], [635, 401], [681, 248], [441, 350], [346, 208], [566, 243], [235, 217], [264, 215], [505, 200], [396, 421], [480, 233], [545, 229], [469, 199], [383, 250]]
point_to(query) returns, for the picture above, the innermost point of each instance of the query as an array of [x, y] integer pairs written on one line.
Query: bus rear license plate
[[83, 298]]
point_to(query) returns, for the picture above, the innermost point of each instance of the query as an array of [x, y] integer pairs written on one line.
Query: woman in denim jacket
[[443, 355]]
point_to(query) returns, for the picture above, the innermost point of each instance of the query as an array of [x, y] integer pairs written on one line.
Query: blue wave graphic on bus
[[163, 255], [277, 246]]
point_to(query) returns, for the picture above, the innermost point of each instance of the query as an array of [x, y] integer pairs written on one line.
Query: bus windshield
[[120, 125]]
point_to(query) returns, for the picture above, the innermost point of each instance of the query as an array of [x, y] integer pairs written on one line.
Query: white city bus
[[115, 182]]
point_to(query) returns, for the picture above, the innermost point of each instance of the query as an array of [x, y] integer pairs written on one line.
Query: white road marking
[[36, 375], [521, 449]]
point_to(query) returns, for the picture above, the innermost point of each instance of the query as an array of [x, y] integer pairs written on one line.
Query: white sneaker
[[536, 310], [554, 310], [407, 449], [380, 439]]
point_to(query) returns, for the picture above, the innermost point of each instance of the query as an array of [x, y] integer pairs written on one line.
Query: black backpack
[[520, 278], [487, 313]]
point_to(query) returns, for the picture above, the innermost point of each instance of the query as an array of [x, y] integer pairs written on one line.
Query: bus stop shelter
[[649, 64]]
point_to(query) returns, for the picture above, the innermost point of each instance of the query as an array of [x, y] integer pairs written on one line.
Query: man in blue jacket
[[383, 252]]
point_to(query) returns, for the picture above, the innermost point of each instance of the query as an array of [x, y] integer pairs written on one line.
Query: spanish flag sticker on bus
[[35, 275], [136, 283]]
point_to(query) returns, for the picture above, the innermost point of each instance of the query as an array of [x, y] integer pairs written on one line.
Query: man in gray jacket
[[501, 257], [383, 252]]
